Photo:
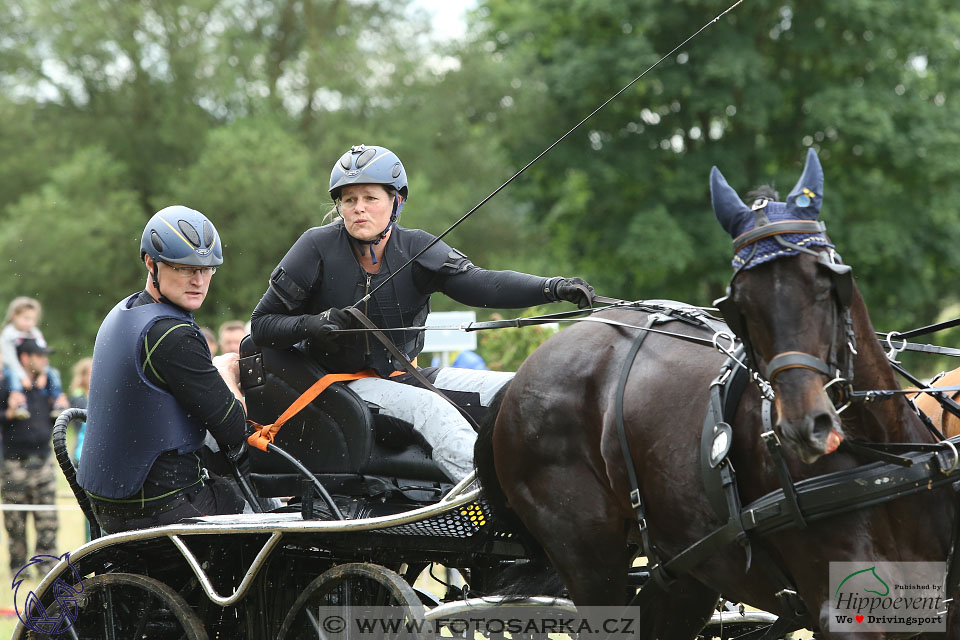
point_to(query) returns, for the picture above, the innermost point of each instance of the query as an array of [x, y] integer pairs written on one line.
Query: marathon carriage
[[369, 513]]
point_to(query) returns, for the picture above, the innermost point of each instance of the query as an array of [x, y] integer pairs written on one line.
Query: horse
[[552, 457], [948, 423]]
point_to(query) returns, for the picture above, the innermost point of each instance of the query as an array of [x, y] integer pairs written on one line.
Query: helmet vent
[[156, 241], [189, 232], [365, 157], [345, 161], [208, 233], [397, 169]]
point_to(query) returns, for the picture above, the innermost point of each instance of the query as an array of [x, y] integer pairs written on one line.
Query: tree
[[72, 244], [258, 186], [872, 85]]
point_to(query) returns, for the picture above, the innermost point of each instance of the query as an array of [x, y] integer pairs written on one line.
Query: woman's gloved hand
[[321, 326], [575, 290]]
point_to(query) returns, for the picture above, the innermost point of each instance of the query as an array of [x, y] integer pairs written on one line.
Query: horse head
[[788, 302]]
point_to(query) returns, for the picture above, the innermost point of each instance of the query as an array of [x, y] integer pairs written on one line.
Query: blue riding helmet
[[181, 235], [368, 165]]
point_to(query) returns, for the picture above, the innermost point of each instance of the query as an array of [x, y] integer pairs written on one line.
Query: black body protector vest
[[321, 271], [130, 421]]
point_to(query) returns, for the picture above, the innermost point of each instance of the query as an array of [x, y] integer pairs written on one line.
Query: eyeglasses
[[189, 272]]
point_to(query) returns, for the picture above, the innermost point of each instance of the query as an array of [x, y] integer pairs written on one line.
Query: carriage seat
[[338, 436]]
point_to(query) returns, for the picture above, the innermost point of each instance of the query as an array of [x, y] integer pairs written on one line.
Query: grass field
[[70, 535]]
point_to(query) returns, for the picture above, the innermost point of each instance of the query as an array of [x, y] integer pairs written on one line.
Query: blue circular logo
[[33, 614]]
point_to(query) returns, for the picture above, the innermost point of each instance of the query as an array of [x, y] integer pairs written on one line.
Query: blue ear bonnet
[[737, 218], [768, 249]]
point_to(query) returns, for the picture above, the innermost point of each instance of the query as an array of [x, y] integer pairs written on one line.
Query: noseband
[[842, 280]]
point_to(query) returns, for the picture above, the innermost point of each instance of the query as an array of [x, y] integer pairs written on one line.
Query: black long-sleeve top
[[321, 271], [181, 364]]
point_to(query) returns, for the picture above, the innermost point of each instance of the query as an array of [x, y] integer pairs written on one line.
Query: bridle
[[838, 369]]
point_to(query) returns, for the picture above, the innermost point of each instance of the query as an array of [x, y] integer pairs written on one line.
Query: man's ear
[[148, 261]]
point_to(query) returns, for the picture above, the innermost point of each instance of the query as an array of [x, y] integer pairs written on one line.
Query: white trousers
[[439, 423]]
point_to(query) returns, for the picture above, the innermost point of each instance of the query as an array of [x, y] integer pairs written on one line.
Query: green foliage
[[872, 85], [256, 183], [73, 246], [506, 349]]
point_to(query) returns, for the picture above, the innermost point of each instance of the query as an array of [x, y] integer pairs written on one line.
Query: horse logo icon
[[33, 614], [876, 582]]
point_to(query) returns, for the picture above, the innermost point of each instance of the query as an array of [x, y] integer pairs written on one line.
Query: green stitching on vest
[[229, 409], [149, 351], [141, 499]]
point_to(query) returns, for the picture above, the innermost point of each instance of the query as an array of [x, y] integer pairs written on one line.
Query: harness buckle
[[950, 464], [635, 501], [895, 350]]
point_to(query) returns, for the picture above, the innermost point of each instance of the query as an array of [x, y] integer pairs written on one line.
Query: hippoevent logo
[[887, 596], [62, 613]]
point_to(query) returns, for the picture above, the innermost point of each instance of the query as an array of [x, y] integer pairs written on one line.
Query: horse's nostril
[[822, 426], [824, 432]]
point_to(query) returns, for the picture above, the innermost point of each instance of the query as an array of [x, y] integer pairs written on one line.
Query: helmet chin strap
[[397, 207], [155, 274]]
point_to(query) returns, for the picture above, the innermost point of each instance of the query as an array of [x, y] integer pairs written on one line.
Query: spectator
[[468, 359], [231, 334], [23, 316], [79, 392], [28, 469], [211, 339]]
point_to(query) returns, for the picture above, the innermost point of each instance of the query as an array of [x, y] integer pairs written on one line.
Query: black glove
[[320, 326], [240, 456], [574, 290]]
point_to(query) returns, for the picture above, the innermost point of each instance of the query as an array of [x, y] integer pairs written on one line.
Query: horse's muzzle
[[814, 435]]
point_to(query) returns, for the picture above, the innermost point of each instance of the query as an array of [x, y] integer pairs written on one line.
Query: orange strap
[[266, 433]]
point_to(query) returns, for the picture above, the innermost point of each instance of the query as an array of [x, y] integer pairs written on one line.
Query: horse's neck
[[888, 420]]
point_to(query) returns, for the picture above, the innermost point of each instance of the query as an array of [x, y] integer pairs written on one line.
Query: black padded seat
[[335, 435]]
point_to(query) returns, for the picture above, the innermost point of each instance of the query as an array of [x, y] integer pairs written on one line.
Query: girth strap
[[635, 500]]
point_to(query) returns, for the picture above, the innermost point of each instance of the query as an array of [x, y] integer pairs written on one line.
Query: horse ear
[[806, 198], [730, 210]]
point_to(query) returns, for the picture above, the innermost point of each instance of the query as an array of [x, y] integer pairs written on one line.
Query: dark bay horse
[[554, 456]]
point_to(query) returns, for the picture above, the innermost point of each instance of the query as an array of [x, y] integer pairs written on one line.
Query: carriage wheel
[[323, 610], [119, 606]]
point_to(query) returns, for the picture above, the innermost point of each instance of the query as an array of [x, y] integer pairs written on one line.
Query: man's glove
[[574, 290], [239, 455], [320, 326]]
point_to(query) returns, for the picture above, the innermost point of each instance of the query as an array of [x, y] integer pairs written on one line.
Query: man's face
[[183, 285], [230, 340], [34, 363]]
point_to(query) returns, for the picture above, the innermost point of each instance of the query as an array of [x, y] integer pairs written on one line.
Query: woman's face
[[366, 210]]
